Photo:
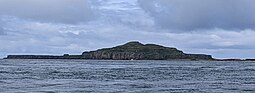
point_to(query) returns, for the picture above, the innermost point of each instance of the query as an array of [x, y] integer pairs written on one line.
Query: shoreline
[[224, 60], [133, 51]]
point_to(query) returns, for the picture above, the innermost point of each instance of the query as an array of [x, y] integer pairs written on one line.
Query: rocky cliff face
[[139, 51]]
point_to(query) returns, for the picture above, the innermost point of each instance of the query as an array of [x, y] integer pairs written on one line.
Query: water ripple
[[79, 76]]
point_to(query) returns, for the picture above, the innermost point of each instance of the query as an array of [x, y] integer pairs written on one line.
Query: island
[[129, 51]]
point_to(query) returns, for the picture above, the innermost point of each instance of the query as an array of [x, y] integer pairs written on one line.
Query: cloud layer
[[201, 14], [223, 28], [29, 37], [66, 11]]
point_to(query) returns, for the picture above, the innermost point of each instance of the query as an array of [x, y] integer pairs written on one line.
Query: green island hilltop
[[139, 51], [128, 51]]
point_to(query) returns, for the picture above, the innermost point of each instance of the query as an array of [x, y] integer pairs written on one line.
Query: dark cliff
[[139, 51]]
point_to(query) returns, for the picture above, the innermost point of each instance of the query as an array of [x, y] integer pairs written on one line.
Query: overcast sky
[[222, 28]]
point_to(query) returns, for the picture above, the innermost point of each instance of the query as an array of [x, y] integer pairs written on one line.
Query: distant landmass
[[128, 51]]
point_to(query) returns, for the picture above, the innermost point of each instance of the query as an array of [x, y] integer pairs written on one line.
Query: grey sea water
[[85, 76]]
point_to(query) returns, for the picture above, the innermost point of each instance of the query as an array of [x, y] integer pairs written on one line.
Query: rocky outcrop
[[139, 51], [66, 56], [249, 59]]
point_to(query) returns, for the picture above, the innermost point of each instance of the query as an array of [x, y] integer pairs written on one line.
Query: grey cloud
[[201, 14], [1, 31], [67, 11], [77, 38], [116, 27]]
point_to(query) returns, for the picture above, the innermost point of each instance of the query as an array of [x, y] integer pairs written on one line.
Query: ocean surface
[[93, 76]]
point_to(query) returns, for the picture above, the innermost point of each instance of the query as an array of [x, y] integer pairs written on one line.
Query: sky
[[222, 28]]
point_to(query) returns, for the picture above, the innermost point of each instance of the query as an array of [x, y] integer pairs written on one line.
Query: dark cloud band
[[63, 11], [201, 14]]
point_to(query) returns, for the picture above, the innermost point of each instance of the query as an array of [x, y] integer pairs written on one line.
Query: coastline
[[225, 60], [133, 51]]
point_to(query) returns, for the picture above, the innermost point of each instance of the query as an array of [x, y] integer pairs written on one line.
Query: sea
[[130, 76]]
